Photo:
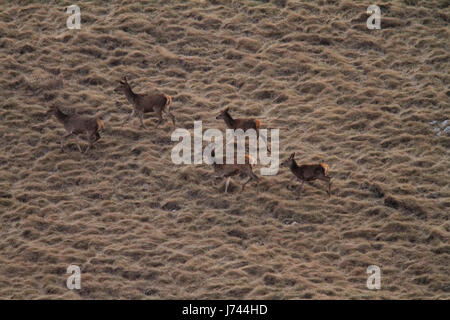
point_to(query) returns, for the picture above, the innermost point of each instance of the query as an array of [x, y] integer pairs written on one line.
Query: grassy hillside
[[141, 227]]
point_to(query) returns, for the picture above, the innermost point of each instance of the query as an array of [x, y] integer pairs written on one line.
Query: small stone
[[447, 130]]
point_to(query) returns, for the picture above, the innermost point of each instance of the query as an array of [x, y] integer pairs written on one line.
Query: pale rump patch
[[101, 126], [168, 102], [325, 167], [250, 160]]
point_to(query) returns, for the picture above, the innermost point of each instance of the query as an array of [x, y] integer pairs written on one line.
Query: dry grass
[[141, 227]]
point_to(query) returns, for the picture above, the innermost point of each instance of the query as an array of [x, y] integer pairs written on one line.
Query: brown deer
[[229, 170], [143, 103], [243, 124], [308, 172], [78, 124]]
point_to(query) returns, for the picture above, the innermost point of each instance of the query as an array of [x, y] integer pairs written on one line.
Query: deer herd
[[160, 103]]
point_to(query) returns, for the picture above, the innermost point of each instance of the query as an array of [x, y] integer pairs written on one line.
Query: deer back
[[245, 124], [310, 171], [80, 124], [151, 102], [226, 170]]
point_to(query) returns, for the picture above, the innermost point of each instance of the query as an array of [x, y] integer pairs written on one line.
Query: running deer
[[308, 172], [229, 170], [243, 124], [78, 124], [143, 103]]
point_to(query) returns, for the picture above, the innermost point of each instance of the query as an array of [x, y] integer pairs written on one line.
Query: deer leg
[[251, 175], [88, 147], [329, 186], [227, 183], [129, 117], [264, 139], [326, 179], [78, 145], [90, 143], [159, 120], [249, 179], [91, 138], [77, 142], [170, 115], [141, 119], [97, 137], [63, 138]]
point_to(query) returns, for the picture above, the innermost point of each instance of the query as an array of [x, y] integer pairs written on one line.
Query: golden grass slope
[[141, 227]]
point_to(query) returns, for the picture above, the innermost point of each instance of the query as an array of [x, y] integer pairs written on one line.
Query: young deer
[[143, 103], [78, 124], [229, 170], [243, 124], [308, 172]]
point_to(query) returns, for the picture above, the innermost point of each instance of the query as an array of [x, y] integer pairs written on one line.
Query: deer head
[[222, 114], [288, 162], [123, 85]]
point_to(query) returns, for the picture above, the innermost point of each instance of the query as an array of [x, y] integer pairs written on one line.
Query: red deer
[[143, 103], [78, 124], [243, 124], [229, 170], [308, 172]]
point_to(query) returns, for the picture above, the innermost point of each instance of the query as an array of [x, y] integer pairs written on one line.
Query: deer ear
[[292, 155]]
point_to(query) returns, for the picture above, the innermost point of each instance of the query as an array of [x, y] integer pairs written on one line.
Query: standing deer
[[143, 103], [78, 124], [308, 172], [243, 124], [229, 170]]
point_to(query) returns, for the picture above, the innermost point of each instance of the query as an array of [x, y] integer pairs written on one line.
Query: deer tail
[[325, 168], [258, 123], [168, 101], [100, 125]]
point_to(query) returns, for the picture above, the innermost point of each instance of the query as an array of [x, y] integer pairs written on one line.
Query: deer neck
[[131, 96], [229, 120], [293, 166]]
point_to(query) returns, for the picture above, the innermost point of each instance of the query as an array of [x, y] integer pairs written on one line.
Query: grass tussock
[[371, 103]]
